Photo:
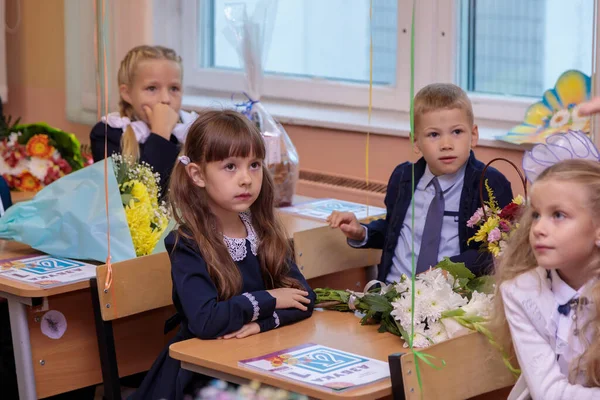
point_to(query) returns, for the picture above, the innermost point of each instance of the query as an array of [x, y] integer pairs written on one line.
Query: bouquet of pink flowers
[[495, 224]]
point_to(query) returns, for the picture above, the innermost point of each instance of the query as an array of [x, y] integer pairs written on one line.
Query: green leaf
[[391, 295], [483, 284], [453, 313], [126, 198], [462, 282], [123, 172], [377, 303], [330, 295], [457, 270]]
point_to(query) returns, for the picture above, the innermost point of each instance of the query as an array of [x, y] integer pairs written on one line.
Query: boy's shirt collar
[[445, 181]]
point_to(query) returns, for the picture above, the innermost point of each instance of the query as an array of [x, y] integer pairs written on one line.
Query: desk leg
[[22, 347]]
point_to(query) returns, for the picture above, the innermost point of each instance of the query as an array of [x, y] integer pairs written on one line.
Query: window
[[313, 39], [505, 53], [318, 51], [520, 47]]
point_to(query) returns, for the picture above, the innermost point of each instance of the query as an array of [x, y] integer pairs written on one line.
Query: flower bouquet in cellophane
[[250, 37], [68, 218]]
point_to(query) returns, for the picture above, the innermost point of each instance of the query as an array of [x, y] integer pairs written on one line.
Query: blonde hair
[[440, 96], [518, 258], [126, 75], [215, 136]]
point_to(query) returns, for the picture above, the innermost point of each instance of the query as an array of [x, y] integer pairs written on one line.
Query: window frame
[[312, 90], [436, 44], [312, 102]]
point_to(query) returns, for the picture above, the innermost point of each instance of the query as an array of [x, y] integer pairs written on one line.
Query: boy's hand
[[290, 298], [162, 119], [247, 330], [348, 224]]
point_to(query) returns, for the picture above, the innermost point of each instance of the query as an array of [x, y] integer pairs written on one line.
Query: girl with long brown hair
[[230, 258], [150, 125], [547, 309]]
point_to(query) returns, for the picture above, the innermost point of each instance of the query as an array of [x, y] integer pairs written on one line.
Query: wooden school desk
[[219, 358], [46, 367]]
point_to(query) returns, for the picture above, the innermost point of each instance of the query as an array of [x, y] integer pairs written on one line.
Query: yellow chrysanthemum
[[140, 218], [494, 248], [518, 200], [485, 229]]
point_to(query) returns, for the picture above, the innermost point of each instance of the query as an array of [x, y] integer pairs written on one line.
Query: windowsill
[[383, 122]]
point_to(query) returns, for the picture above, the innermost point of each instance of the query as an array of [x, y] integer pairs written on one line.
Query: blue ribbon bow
[[245, 105], [565, 309]]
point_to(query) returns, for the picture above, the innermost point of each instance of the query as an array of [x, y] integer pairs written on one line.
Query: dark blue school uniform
[[384, 233], [157, 151], [202, 316]]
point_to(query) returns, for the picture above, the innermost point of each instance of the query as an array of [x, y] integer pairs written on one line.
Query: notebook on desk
[[320, 209], [45, 271], [321, 366]]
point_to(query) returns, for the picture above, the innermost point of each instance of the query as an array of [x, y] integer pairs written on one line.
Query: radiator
[[326, 185]]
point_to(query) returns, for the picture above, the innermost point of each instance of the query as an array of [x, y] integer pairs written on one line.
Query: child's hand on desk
[[348, 224], [290, 298], [247, 330]]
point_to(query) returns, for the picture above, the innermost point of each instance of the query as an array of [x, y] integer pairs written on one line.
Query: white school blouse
[[544, 339]]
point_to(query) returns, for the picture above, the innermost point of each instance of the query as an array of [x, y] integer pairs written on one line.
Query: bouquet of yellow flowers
[[147, 216], [73, 216], [495, 224]]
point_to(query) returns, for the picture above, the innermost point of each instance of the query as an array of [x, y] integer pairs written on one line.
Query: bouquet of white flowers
[[448, 301]]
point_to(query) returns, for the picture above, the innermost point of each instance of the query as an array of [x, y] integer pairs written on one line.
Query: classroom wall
[[36, 65], [36, 83]]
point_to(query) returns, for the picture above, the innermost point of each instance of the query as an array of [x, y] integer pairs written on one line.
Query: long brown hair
[[215, 136], [518, 258], [126, 75]]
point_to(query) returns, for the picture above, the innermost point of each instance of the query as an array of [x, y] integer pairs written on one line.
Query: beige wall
[[343, 153], [36, 78], [36, 65]]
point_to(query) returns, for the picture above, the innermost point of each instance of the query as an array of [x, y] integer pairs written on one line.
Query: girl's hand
[[162, 119], [247, 330], [348, 224], [290, 298]]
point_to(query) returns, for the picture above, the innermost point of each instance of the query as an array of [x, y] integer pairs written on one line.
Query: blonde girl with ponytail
[[150, 125]]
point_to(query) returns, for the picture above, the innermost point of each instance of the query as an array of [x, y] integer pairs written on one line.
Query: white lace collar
[[237, 246], [141, 129]]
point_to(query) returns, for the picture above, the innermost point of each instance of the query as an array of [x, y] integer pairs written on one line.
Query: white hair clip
[[185, 160]]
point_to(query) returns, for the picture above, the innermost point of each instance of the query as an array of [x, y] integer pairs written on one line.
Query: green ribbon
[[426, 358]]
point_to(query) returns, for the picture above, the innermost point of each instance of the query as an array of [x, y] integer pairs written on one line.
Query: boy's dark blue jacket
[[383, 234]]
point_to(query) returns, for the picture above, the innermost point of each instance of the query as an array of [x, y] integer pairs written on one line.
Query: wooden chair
[[473, 368], [138, 285]]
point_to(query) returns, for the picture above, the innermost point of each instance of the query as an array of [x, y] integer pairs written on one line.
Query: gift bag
[[250, 37]]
